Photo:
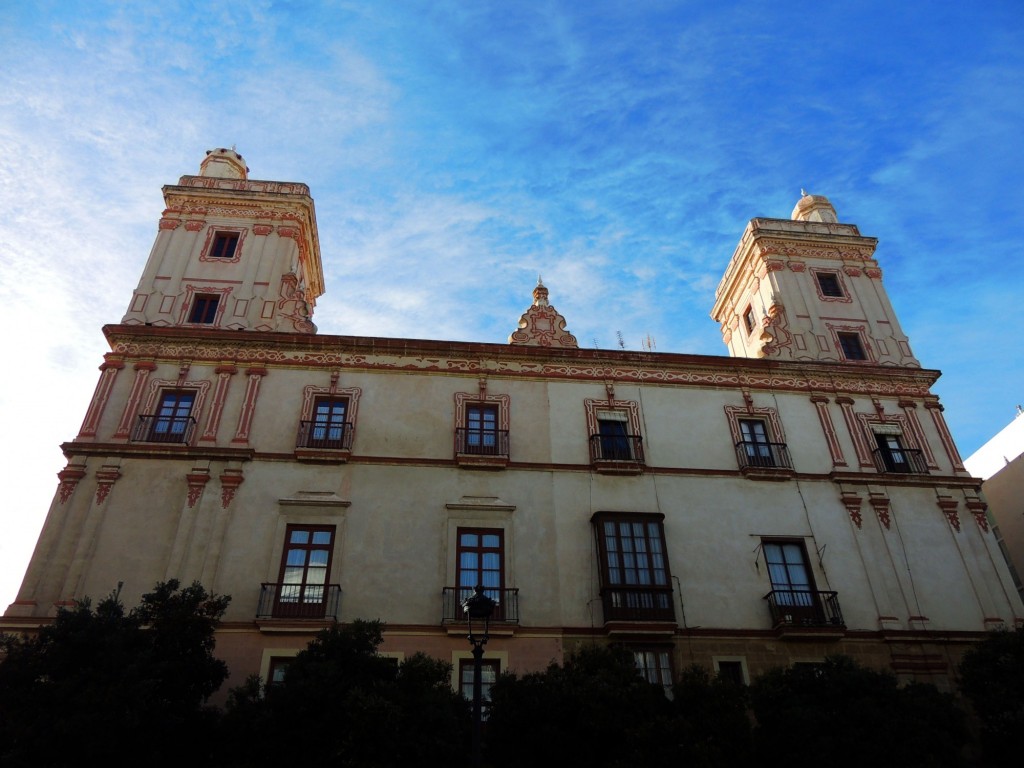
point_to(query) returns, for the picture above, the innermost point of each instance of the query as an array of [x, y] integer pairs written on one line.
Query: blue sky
[[457, 150]]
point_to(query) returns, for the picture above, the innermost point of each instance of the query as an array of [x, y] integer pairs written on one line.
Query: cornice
[[370, 353]]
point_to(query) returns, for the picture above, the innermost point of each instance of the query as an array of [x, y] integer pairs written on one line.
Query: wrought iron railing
[[804, 608], [506, 611], [299, 601], [481, 442], [638, 604], [617, 448], [154, 428], [334, 437], [903, 460], [755, 454]]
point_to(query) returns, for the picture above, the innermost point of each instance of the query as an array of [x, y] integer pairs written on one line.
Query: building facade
[[799, 498]]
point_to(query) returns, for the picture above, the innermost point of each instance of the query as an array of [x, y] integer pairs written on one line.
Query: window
[[303, 591], [655, 666], [278, 668], [793, 592], [172, 422], [731, 671], [635, 583], [891, 456], [481, 429], [851, 346], [204, 308], [748, 319], [829, 284], [614, 441], [755, 444], [481, 554], [489, 671], [224, 244], [328, 427]]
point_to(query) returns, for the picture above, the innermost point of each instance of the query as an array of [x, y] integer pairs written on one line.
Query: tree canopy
[[992, 678], [98, 684]]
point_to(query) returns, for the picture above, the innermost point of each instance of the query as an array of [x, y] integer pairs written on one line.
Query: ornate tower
[[232, 253], [808, 288]]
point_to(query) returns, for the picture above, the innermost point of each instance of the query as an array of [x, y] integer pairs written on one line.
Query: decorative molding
[[69, 477], [835, 449], [229, 482], [852, 502], [542, 325], [197, 480], [978, 509], [949, 506], [106, 476]]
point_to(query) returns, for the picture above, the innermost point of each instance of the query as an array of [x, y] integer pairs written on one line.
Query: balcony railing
[[763, 455], [481, 442], [637, 604], [903, 460], [299, 601], [332, 437], [153, 428], [624, 448], [506, 612], [804, 608]]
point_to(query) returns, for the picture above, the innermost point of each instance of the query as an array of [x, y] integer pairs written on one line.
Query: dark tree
[[992, 678], [711, 725], [594, 709], [841, 714], [106, 686], [342, 704]]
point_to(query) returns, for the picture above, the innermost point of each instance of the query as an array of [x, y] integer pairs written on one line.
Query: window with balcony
[[757, 449], [172, 422], [614, 442], [794, 600], [303, 590], [329, 427], [480, 555], [481, 435], [635, 579], [761, 451], [204, 308], [892, 456]]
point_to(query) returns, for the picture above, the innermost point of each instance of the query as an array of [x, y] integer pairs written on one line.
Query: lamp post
[[478, 607]]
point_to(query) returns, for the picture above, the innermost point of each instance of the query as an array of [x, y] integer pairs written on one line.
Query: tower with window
[[809, 288], [231, 253]]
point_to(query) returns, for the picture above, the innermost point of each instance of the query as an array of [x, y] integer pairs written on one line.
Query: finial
[[803, 192], [539, 281]]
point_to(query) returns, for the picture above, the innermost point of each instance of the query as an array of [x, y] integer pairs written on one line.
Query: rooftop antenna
[[649, 344], [622, 344]]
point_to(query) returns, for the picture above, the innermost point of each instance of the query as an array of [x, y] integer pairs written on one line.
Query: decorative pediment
[[541, 325]]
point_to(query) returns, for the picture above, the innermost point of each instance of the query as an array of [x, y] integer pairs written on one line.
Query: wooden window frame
[[302, 606], [843, 338], [224, 241], [490, 668], [204, 309], [625, 593], [661, 672]]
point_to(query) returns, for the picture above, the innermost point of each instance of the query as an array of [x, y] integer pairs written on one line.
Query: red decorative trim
[[69, 477], [880, 503], [828, 428], [797, 266], [631, 408], [211, 233], [196, 482], [852, 271], [935, 409], [852, 502], [194, 225], [773, 265], [846, 298], [856, 432], [288, 232], [252, 392], [192, 290], [770, 416], [978, 508], [170, 224], [910, 410], [131, 407], [262, 229], [949, 505], [106, 479], [229, 482], [873, 272], [99, 399], [224, 374]]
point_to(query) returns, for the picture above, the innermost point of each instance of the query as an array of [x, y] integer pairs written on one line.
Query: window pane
[[321, 537], [300, 537]]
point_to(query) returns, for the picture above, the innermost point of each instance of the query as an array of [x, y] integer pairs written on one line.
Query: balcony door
[[171, 420], [481, 554], [792, 582], [481, 429], [305, 569], [614, 438], [756, 443]]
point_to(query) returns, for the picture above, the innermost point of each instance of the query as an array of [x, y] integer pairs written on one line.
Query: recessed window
[[328, 428], [655, 666], [613, 443], [172, 422], [755, 444], [892, 456], [635, 579], [481, 434], [481, 556], [489, 670], [302, 590], [829, 284], [731, 671], [748, 319], [851, 346], [278, 667], [204, 308], [224, 245]]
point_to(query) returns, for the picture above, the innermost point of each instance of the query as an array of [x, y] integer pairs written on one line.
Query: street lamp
[[478, 607]]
